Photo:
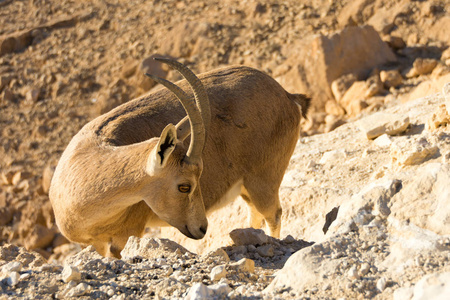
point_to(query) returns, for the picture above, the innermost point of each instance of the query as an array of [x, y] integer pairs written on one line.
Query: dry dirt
[[62, 63]]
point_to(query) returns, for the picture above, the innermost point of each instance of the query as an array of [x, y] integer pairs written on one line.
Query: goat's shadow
[[272, 255]]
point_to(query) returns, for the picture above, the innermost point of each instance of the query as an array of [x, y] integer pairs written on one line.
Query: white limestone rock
[[427, 191], [383, 140], [13, 266], [13, 279], [383, 123], [363, 207], [407, 151], [381, 284], [353, 273], [403, 293], [304, 268], [71, 273], [333, 155], [218, 272], [433, 286], [408, 241], [199, 291]]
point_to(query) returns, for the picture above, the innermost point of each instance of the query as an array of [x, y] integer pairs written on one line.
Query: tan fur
[[106, 189]]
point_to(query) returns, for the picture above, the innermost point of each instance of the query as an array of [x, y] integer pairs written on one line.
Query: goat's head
[[176, 170]]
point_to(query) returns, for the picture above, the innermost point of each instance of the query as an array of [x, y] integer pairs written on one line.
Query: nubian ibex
[[131, 168]]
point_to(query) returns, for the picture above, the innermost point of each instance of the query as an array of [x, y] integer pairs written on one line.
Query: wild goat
[[131, 168]]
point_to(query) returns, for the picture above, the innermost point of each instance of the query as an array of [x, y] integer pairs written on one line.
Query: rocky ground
[[150, 268], [374, 152]]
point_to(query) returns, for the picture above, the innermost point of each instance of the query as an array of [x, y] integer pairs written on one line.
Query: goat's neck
[[121, 173]]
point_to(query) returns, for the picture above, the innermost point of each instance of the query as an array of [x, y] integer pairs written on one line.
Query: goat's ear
[[161, 153]]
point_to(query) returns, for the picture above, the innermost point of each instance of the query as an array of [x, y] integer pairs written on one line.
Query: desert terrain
[[366, 195]]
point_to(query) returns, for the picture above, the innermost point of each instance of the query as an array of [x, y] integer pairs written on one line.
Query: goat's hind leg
[[264, 202]]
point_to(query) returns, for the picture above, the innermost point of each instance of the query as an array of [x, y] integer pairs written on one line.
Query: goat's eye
[[184, 188]]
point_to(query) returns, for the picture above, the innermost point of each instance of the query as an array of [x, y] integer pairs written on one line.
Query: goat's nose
[[203, 229]]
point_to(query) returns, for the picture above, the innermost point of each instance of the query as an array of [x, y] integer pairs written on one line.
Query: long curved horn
[[200, 95], [195, 150]]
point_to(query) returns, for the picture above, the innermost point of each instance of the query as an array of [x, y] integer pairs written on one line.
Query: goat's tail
[[303, 101]]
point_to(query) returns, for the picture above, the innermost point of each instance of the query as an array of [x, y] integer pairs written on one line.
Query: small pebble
[[70, 273], [13, 279], [381, 284], [218, 272], [110, 292], [365, 268], [169, 270], [353, 273], [244, 265], [13, 266]]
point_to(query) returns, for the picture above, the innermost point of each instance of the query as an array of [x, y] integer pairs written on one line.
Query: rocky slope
[[372, 146]]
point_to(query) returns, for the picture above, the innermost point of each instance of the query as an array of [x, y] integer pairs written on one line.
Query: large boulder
[[424, 201], [323, 59]]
